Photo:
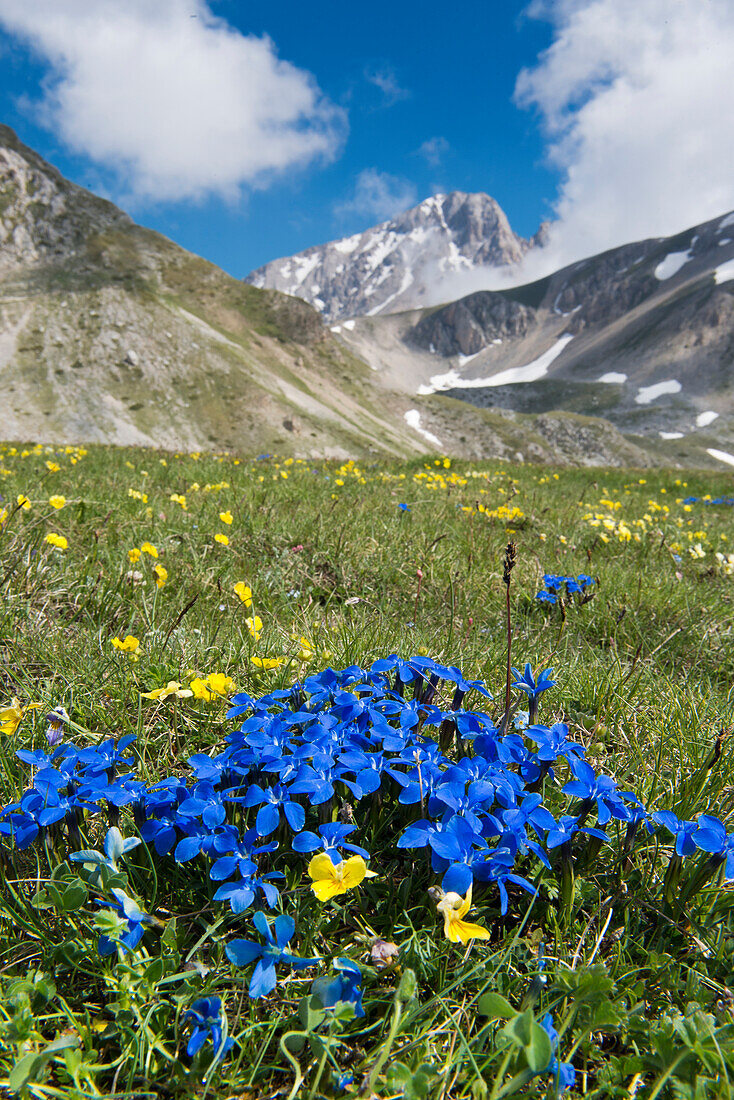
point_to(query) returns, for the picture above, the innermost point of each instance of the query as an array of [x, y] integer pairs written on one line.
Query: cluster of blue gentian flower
[[711, 500], [398, 732], [556, 587]]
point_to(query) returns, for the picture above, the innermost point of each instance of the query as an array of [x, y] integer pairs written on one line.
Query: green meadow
[[607, 974]]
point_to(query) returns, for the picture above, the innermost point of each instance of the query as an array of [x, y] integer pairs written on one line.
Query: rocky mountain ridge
[[397, 265], [642, 335]]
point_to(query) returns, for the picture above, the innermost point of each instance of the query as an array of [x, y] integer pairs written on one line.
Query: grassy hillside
[[127, 571]]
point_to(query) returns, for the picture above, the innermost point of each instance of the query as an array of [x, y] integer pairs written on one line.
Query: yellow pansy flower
[[172, 688], [226, 517], [454, 908], [255, 626], [128, 644], [59, 541], [244, 592], [221, 539], [161, 575], [148, 548], [23, 501], [331, 879], [12, 716], [200, 690], [57, 501]]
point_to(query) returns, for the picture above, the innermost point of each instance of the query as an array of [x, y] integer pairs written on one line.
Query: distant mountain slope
[[393, 266], [642, 335], [110, 332]]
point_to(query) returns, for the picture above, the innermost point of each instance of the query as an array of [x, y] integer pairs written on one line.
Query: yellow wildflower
[[57, 501], [172, 688], [53, 467], [59, 541], [12, 716], [148, 548], [128, 644], [178, 498], [267, 663], [221, 539], [244, 592], [161, 575], [255, 626], [454, 908], [219, 683], [200, 690], [134, 555], [226, 517], [23, 501], [330, 880]]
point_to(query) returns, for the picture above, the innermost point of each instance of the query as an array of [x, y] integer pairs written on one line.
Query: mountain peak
[[398, 264]]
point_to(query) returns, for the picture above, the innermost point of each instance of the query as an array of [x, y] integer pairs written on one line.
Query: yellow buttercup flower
[[244, 592], [226, 517], [59, 541], [57, 501], [221, 539], [128, 644], [454, 908], [255, 626], [219, 683], [23, 501], [267, 663], [148, 548], [12, 716], [172, 688], [330, 879], [161, 575]]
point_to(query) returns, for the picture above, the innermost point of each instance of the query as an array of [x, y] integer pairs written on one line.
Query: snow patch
[[646, 394], [728, 220], [722, 456], [670, 435], [724, 240], [671, 265], [724, 273], [335, 328], [347, 245], [407, 280], [348, 325], [530, 372], [704, 419], [304, 266], [613, 376], [413, 420], [462, 360]]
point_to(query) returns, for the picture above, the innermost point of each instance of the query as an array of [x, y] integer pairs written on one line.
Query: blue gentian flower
[[206, 1016], [269, 954], [563, 1072], [137, 922], [345, 987]]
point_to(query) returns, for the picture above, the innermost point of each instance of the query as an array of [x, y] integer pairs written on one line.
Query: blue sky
[[251, 130]]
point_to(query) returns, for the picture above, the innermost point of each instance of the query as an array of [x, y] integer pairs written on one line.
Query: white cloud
[[635, 97], [385, 78], [176, 101], [434, 150], [378, 195]]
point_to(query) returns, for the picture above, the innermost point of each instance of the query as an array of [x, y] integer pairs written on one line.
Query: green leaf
[[496, 1007], [154, 971], [520, 1028], [539, 1051], [75, 895], [30, 1067]]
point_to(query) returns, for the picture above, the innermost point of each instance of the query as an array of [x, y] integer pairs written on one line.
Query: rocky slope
[[401, 263], [642, 335], [110, 332]]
